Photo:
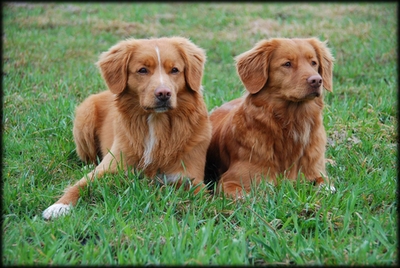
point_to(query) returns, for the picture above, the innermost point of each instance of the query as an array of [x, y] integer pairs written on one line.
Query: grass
[[49, 51]]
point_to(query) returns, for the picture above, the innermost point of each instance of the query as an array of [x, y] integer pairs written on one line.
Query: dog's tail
[[85, 136]]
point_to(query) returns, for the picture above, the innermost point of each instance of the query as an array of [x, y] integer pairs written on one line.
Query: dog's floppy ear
[[194, 58], [252, 66], [326, 62], [113, 65]]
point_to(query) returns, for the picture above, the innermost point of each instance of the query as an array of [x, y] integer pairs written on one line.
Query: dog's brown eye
[[142, 71], [313, 63], [174, 70], [287, 64]]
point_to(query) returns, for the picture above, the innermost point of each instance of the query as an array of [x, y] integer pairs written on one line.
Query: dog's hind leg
[[84, 130]]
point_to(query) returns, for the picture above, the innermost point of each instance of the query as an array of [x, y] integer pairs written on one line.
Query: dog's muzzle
[[162, 99]]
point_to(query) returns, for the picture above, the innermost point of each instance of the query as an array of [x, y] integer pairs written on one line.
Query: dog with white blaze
[[152, 118]]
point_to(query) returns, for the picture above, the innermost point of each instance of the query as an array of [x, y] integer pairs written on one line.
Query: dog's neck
[[264, 99], [283, 111]]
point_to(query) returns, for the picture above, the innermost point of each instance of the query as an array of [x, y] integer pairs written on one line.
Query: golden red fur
[[153, 117], [276, 128]]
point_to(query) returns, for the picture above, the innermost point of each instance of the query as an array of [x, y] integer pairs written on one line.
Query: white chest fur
[[149, 143]]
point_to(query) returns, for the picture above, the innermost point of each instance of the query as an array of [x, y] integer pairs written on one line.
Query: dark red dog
[[276, 128]]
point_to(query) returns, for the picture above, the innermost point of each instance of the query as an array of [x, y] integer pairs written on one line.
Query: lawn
[[49, 54]]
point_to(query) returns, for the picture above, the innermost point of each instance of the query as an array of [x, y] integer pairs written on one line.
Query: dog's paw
[[56, 210], [327, 187]]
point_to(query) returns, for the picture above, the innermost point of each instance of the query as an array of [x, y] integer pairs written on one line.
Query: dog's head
[[156, 70], [293, 69]]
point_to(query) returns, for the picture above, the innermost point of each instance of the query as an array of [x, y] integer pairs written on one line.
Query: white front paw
[[328, 187], [56, 210], [332, 189]]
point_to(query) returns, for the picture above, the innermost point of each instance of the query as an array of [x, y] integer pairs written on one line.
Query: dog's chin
[[306, 98], [158, 109], [309, 97], [312, 96], [162, 109]]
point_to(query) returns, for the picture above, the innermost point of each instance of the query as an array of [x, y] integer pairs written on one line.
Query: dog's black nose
[[163, 93], [315, 81]]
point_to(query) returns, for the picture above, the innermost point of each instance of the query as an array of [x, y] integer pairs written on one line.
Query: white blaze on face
[[159, 64]]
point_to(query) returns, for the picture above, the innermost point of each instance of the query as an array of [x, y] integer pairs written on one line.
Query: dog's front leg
[[314, 170], [193, 166], [71, 194]]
